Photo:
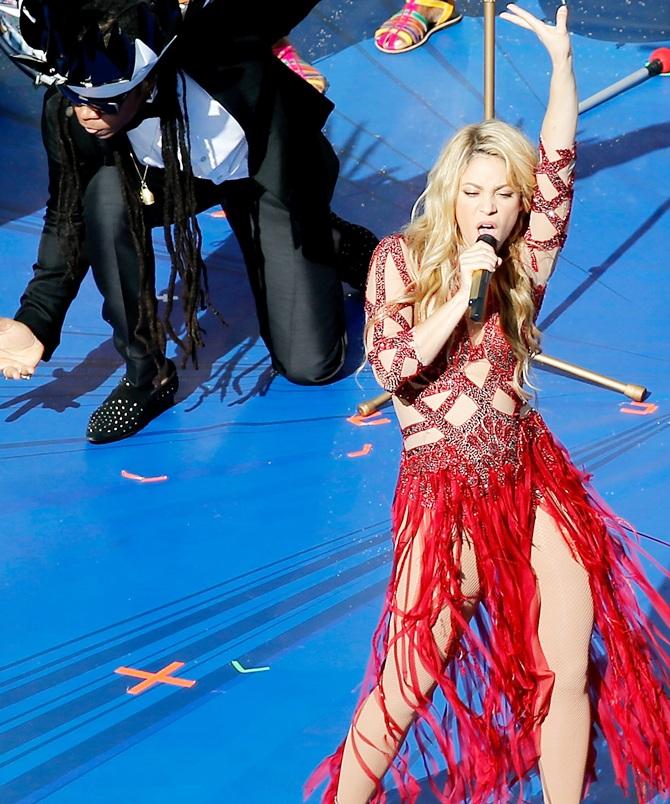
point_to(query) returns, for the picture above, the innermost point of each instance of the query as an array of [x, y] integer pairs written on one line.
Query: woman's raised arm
[[560, 119], [551, 203]]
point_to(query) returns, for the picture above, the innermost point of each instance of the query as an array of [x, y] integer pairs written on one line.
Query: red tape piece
[[368, 421], [142, 479], [639, 408], [367, 449]]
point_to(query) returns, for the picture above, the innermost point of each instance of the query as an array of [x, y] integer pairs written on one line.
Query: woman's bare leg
[[566, 621], [370, 739]]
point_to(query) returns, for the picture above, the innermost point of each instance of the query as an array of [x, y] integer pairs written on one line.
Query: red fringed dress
[[485, 476]]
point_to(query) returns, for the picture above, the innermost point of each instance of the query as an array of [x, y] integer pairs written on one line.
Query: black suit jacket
[[225, 47]]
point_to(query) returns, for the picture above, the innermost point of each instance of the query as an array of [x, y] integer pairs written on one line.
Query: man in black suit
[[153, 118]]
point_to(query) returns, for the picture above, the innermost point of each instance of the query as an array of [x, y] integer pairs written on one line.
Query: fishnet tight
[[566, 619]]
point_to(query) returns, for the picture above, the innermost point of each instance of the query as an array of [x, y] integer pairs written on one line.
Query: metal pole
[[489, 59], [620, 86], [633, 391], [368, 407], [636, 392]]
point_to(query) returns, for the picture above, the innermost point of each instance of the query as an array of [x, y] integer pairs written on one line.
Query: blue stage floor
[[266, 547]]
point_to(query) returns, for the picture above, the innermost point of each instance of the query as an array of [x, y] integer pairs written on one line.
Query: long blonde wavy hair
[[434, 239]]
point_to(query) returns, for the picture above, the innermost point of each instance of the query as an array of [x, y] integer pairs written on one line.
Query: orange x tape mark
[[163, 676], [367, 449], [368, 421], [640, 408]]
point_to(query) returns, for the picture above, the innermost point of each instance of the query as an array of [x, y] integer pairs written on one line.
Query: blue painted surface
[[267, 544]]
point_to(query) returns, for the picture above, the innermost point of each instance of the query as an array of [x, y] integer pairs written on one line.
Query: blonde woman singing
[[512, 587]]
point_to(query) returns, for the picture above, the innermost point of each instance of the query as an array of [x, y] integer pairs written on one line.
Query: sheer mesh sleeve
[[390, 340], [550, 211]]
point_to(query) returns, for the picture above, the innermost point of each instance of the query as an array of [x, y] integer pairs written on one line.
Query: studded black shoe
[[354, 250], [129, 408]]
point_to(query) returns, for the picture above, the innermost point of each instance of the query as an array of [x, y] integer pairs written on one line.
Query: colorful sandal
[[285, 52], [409, 29]]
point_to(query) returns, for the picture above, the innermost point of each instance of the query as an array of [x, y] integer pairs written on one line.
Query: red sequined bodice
[[470, 401]]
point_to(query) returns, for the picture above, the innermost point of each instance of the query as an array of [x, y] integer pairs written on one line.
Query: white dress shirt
[[219, 150]]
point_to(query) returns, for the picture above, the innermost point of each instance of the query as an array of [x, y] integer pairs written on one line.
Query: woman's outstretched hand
[[20, 351], [555, 38]]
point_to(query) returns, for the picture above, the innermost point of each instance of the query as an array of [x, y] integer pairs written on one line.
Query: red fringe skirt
[[497, 686]]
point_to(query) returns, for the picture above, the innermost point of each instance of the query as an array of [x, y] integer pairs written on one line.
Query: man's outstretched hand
[[20, 351]]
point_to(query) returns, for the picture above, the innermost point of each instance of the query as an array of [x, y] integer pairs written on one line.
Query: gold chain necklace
[[146, 196]]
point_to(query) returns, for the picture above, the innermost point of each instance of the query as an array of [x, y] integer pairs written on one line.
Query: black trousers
[[299, 298]]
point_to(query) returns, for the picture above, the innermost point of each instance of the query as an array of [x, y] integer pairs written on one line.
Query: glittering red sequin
[[402, 343], [488, 439], [556, 209]]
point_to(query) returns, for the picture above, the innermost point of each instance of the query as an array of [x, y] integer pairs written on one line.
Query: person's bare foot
[[20, 351], [431, 14], [286, 52]]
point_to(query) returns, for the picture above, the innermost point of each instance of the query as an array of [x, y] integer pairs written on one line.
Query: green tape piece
[[241, 669]]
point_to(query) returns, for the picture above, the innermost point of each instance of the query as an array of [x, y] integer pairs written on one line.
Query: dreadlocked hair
[[182, 231], [68, 213], [180, 224]]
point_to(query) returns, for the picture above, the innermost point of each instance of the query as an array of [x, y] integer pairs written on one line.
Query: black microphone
[[480, 283]]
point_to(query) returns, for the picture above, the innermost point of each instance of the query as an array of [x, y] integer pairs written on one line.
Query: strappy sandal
[[285, 52], [409, 29]]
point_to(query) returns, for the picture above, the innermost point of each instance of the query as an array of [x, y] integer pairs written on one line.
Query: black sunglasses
[[103, 105]]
